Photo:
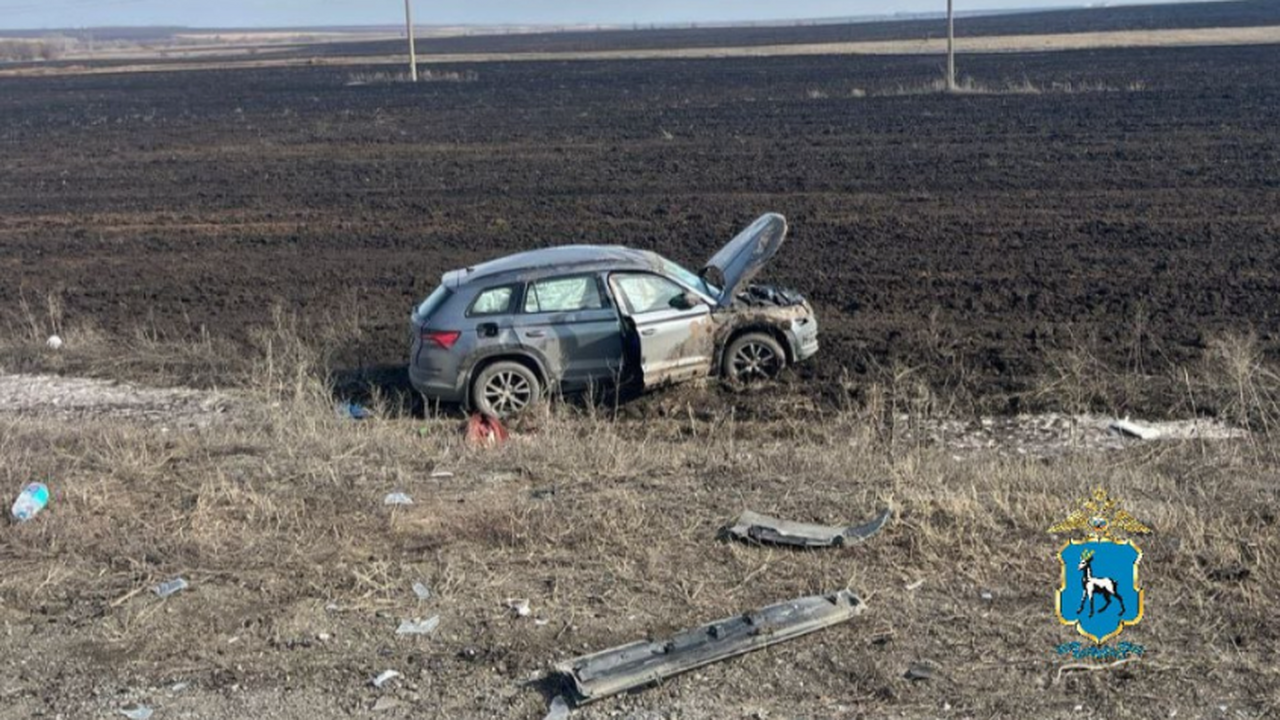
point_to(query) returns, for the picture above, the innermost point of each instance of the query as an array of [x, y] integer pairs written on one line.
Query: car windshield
[[683, 275]]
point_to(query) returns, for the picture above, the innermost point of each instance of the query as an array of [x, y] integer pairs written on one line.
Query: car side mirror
[[687, 301]]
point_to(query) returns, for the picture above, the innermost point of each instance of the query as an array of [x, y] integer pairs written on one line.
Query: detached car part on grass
[[757, 528], [643, 663], [500, 336]]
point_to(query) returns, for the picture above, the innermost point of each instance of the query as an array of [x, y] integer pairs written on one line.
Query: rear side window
[[494, 301], [567, 294], [432, 303]]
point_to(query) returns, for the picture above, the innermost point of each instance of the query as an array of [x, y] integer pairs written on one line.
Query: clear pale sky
[[269, 13]]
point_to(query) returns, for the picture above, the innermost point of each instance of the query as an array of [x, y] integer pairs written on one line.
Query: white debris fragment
[[165, 589], [559, 709], [422, 591], [54, 342], [397, 498], [418, 627], [1131, 429], [385, 677], [136, 712], [519, 606], [441, 475]]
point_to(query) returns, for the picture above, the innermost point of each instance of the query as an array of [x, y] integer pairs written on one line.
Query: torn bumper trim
[[754, 527], [641, 663]]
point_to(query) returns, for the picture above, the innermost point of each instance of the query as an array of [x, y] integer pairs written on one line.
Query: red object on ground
[[486, 431]]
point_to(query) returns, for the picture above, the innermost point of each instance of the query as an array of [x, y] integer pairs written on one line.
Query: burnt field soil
[[1249, 13], [981, 244]]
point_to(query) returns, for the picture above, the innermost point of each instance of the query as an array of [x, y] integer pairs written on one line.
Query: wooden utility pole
[[951, 46], [413, 55]]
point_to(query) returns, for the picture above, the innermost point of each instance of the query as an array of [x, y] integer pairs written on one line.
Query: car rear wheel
[[505, 389], [753, 357]]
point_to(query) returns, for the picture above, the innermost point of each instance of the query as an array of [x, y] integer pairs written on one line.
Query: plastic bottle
[[33, 499]]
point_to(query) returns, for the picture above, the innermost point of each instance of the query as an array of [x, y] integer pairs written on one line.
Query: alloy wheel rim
[[755, 360], [508, 392]]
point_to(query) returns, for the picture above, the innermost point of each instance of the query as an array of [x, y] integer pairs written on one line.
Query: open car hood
[[739, 261]]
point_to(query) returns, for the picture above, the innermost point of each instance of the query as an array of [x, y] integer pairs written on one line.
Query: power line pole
[[951, 46], [413, 55]]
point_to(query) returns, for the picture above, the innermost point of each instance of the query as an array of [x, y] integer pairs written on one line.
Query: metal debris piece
[[919, 671], [418, 627], [386, 677], [641, 663], [754, 527], [559, 709], [170, 587], [1131, 429]]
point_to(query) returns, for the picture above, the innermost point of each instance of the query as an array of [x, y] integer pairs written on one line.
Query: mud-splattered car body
[[499, 335]]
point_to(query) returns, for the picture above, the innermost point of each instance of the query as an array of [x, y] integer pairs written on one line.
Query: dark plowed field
[[1246, 13], [974, 238]]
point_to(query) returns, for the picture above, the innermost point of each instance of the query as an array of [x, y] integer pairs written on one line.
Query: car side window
[[647, 293], [566, 294], [494, 301]]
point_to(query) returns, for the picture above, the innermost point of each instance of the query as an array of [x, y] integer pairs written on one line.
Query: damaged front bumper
[[642, 663]]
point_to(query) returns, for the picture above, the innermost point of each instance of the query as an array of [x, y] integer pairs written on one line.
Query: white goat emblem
[[1094, 586]]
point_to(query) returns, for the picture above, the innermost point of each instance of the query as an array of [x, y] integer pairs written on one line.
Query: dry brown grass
[[609, 528]]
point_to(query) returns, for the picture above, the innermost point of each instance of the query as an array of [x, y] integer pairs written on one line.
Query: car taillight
[[445, 339]]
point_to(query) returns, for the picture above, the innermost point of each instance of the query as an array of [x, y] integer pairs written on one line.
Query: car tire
[[505, 389], [753, 357]]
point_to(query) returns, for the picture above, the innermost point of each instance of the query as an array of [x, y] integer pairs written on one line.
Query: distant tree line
[[13, 50]]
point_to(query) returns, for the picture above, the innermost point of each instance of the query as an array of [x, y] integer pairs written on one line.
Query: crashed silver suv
[[500, 336]]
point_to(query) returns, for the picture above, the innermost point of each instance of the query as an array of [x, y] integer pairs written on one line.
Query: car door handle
[[649, 331], [535, 334]]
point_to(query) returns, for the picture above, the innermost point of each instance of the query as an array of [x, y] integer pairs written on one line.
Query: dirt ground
[[1114, 224], [997, 274]]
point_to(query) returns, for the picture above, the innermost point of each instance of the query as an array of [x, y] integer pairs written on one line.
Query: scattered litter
[[519, 606], [559, 709], [170, 587], [54, 342], [754, 527], [136, 712], [485, 431], [385, 703], [641, 663], [352, 411], [179, 687], [386, 677], [916, 585], [1131, 429], [397, 498], [324, 637], [418, 627], [542, 622], [33, 499], [332, 607], [441, 475], [987, 595], [422, 591], [919, 671]]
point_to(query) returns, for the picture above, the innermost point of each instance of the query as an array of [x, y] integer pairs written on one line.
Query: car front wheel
[[753, 357], [505, 389]]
